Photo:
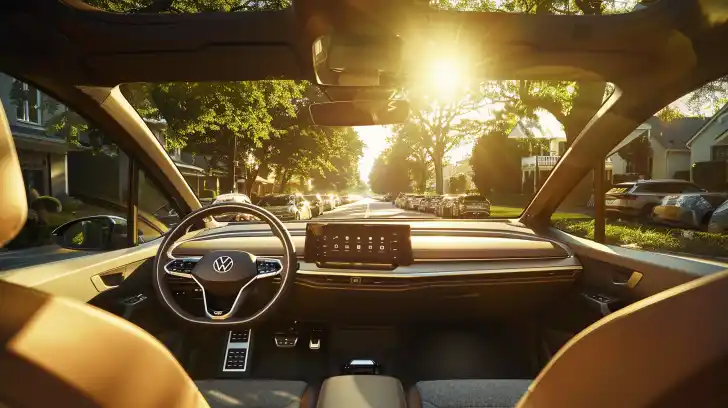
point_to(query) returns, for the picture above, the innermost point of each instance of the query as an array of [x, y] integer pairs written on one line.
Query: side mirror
[[96, 233]]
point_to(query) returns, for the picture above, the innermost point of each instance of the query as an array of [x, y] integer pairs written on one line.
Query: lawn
[[498, 211], [653, 238]]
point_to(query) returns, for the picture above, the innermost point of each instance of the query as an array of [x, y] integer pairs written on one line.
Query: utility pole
[[235, 163]]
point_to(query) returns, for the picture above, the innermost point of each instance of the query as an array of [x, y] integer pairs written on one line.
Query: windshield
[[276, 201], [490, 140], [474, 198]]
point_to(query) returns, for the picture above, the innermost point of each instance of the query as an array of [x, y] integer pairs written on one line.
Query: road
[[370, 208]]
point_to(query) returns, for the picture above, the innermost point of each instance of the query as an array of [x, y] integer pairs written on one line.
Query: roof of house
[[707, 124], [676, 133]]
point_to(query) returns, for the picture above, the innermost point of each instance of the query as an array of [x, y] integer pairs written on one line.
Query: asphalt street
[[370, 208]]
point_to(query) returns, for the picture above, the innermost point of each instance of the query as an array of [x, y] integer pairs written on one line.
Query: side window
[[679, 142], [71, 172]]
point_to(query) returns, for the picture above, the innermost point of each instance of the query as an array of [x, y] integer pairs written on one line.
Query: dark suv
[[471, 206]]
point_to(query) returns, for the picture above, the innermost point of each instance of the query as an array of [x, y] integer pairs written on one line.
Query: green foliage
[[78, 239], [207, 193], [652, 238], [496, 162], [458, 184], [638, 152], [46, 203], [390, 173], [187, 6]]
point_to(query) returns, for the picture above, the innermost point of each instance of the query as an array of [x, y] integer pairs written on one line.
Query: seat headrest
[[14, 209]]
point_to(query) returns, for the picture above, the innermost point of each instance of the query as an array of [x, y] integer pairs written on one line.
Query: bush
[[71, 204], [47, 203], [207, 193]]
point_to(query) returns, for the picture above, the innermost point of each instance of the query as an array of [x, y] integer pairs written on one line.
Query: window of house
[[661, 214], [28, 104], [719, 152], [84, 178]]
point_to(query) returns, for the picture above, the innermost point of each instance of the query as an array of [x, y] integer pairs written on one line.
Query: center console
[[362, 391]]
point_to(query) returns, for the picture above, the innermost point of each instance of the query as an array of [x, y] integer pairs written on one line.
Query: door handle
[[631, 282], [108, 280]]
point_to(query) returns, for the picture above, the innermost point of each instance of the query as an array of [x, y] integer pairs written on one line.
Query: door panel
[[609, 281], [80, 278]]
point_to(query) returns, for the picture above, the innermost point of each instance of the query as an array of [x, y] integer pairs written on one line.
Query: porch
[[536, 169]]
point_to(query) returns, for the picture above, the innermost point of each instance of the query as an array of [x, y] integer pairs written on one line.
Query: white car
[[638, 198]]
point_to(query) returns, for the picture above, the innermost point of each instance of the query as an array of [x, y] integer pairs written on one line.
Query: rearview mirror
[[97, 233], [359, 113]]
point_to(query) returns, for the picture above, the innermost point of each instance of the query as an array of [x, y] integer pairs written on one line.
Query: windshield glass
[[493, 140], [509, 6], [275, 201], [474, 198]]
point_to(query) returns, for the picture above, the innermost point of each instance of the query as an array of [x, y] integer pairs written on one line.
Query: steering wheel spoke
[[181, 267], [268, 267]]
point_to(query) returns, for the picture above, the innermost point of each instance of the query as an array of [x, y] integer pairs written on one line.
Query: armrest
[[362, 391]]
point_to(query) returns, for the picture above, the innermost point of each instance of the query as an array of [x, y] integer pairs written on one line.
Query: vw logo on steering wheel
[[222, 264]]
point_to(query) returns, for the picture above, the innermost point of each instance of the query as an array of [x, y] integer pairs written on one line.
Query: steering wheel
[[224, 276]]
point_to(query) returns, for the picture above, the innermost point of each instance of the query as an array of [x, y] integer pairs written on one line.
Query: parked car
[[471, 206], [236, 198], [401, 200], [430, 204], [413, 202], [329, 203], [445, 207], [639, 198], [287, 207], [316, 203], [719, 220], [693, 210]]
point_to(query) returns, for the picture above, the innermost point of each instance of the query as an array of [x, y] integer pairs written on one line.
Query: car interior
[[433, 314]]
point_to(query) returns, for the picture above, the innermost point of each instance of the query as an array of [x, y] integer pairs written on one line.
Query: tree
[[345, 148], [638, 153], [458, 184], [389, 173], [437, 125]]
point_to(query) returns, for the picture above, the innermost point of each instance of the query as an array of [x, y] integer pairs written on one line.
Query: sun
[[445, 77]]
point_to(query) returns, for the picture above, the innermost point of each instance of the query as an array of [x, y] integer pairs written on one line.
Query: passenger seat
[[467, 393]]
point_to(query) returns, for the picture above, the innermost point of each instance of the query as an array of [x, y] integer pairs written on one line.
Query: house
[[667, 156], [42, 156], [709, 145], [671, 155]]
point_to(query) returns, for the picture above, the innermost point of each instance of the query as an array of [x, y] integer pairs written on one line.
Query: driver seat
[[59, 352]]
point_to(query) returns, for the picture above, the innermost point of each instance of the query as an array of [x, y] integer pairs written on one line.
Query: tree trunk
[[439, 182], [284, 176]]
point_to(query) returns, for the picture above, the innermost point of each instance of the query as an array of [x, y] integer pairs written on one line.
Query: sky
[[375, 139]]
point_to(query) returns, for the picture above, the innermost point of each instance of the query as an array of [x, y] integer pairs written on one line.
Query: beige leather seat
[[57, 352]]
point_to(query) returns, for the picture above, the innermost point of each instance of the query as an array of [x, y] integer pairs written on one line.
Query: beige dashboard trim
[[391, 274]]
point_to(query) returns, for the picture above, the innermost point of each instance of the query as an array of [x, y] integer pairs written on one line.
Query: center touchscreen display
[[375, 244]]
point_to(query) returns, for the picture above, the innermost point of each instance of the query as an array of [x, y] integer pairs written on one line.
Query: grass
[[498, 211], [655, 238]]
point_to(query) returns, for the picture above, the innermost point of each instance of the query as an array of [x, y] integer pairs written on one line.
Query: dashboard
[[485, 268]]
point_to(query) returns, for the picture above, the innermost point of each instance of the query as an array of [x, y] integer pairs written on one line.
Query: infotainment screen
[[358, 244]]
